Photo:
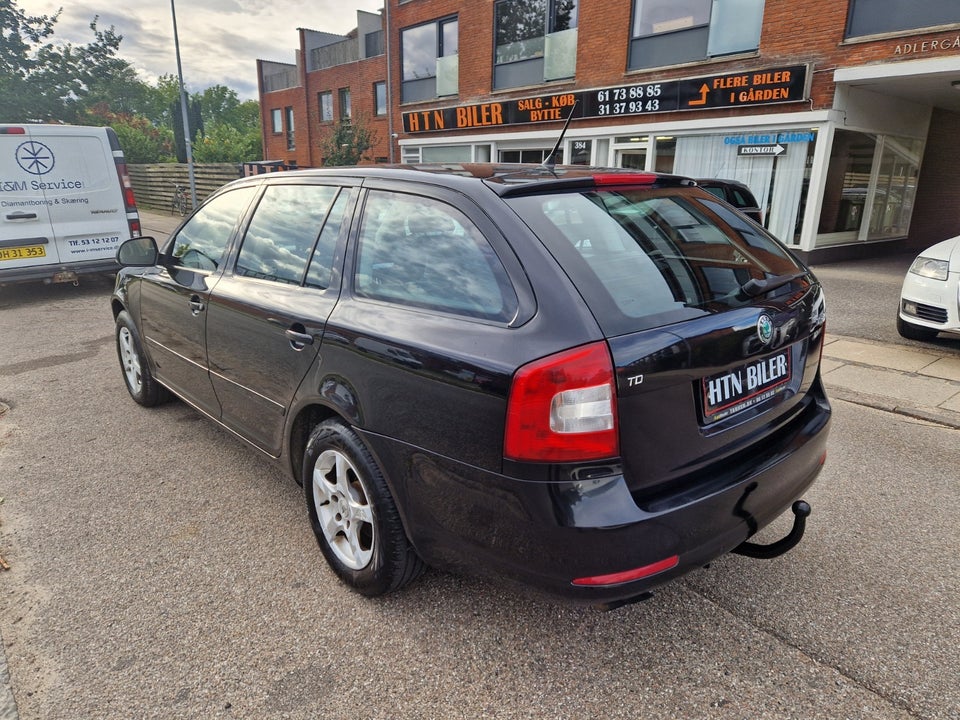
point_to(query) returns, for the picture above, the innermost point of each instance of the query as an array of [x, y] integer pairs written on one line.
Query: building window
[[872, 17], [430, 60], [870, 188], [276, 120], [527, 156], [669, 32], [380, 98], [345, 113], [373, 44], [325, 100], [535, 41], [291, 140]]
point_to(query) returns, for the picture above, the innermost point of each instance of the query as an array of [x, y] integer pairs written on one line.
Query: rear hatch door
[[26, 231], [715, 329]]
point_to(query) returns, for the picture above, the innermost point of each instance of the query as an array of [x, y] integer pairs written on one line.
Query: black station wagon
[[587, 380]]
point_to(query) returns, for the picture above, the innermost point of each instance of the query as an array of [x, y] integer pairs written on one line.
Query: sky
[[220, 40]]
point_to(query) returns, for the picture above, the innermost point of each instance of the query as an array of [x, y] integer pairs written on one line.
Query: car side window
[[425, 253], [202, 242], [320, 272], [280, 238]]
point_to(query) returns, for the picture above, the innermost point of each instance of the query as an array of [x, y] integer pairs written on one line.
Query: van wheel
[[136, 373], [914, 332], [353, 514]]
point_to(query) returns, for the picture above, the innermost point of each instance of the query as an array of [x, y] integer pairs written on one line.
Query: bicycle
[[179, 202]]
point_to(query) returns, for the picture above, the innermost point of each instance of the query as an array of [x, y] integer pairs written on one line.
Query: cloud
[[220, 40]]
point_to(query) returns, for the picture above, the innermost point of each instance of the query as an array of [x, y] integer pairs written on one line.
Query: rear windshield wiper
[[755, 288]]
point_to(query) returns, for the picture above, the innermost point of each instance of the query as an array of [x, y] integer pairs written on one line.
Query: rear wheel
[[353, 514], [914, 332], [136, 373]]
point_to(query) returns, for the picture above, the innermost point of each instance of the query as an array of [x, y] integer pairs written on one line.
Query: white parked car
[[929, 297]]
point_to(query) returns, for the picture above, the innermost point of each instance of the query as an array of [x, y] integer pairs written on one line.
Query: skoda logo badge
[[765, 329]]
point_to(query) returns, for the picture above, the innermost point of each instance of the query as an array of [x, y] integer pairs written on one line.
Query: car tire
[[914, 332], [143, 388], [353, 514]]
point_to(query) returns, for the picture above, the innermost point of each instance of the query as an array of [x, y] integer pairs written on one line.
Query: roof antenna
[[551, 160]]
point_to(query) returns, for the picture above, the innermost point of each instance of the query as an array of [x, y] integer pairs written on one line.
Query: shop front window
[[779, 182], [870, 187], [895, 188]]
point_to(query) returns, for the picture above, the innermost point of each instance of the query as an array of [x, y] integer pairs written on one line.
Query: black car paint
[[427, 393]]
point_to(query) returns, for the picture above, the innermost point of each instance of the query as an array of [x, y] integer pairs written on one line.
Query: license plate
[[730, 392], [23, 253]]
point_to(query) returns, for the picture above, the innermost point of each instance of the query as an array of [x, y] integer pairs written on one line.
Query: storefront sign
[[761, 149], [928, 46], [757, 87]]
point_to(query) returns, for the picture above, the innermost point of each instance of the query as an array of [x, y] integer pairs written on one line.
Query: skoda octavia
[[588, 381]]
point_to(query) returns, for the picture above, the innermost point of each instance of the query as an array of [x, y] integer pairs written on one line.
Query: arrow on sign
[[761, 149], [704, 91]]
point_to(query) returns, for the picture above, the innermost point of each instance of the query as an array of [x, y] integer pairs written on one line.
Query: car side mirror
[[138, 252]]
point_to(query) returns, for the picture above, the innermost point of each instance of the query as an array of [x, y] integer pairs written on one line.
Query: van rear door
[[26, 233], [66, 201]]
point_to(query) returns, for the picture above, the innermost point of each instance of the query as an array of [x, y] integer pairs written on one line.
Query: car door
[[266, 317], [174, 298]]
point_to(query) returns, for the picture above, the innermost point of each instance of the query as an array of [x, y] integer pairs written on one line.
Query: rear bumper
[[57, 272], [547, 534]]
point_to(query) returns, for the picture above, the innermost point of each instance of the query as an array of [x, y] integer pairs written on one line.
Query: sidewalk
[[158, 224], [922, 383]]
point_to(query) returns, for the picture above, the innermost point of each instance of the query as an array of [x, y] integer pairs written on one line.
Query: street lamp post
[[183, 110]]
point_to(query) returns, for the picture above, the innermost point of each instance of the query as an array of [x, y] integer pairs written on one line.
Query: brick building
[[840, 116]]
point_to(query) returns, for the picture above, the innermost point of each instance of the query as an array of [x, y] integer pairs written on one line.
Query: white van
[[66, 202]]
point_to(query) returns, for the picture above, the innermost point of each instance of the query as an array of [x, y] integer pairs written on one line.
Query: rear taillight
[[128, 199], [563, 408], [13, 131]]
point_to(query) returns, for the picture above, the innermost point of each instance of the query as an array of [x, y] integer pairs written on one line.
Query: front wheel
[[914, 332], [353, 514], [143, 388]]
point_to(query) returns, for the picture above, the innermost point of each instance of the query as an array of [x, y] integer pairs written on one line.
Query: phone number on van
[[94, 241]]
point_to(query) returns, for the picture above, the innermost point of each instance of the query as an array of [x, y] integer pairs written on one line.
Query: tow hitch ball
[[765, 552]]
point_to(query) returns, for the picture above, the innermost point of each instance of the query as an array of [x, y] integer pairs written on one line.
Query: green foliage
[[142, 142], [194, 120], [43, 81], [226, 143], [347, 142]]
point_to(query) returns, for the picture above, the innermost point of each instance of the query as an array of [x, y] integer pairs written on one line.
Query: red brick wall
[[359, 77], [935, 215]]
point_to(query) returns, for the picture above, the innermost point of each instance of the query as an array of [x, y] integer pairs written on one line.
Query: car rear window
[[645, 257]]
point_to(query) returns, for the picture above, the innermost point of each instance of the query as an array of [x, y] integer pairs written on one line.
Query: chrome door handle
[[196, 305], [298, 339]]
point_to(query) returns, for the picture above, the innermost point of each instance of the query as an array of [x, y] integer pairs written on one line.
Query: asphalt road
[[162, 569], [862, 300]]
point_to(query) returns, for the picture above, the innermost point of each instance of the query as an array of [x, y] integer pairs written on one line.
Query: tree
[[227, 143], [43, 81], [194, 120], [142, 142], [347, 142]]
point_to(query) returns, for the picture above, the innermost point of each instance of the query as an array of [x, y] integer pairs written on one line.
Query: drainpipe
[[388, 33]]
